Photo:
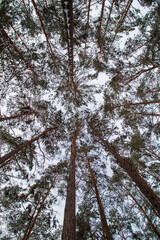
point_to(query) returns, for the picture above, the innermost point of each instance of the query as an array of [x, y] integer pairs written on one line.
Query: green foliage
[[38, 75]]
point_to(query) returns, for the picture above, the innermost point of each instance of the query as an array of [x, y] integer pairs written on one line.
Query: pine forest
[[80, 119]]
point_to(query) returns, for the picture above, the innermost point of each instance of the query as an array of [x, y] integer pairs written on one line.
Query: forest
[[80, 119]]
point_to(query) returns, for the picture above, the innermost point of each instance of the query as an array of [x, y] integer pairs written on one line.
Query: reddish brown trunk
[[149, 220], [69, 26], [153, 154], [39, 210], [121, 22], [69, 223], [87, 26], [132, 172], [100, 24], [26, 144], [106, 231], [5, 17], [110, 12], [7, 38], [42, 25], [149, 173], [135, 104], [17, 116], [130, 79], [144, 114]]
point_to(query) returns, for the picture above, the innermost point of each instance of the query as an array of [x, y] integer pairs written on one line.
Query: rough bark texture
[[15, 151], [69, 224], [106, 231], [132, 172]]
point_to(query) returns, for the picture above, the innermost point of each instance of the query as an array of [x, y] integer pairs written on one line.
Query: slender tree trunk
[[69, 26], [138, 103], [17, 116], [106, 231], [132, 172], [121, 22], [136, 75], [149, 220], [44, 31], [109, 16], [38, 212], [144, 114], [100, 25], [87, 26], [152, 153], [69, 223], [26, 144], [5, 17], [7, 38], [149, 173]]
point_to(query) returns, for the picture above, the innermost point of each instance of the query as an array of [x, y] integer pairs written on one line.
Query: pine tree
[[77, 77]]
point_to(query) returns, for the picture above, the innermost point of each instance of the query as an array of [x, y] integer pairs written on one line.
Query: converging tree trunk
[[132, 172], [149, 220], [137, 103], [106, 231], [27, 235], [9, 40], [17, 116], [26, 144], [69, 223]]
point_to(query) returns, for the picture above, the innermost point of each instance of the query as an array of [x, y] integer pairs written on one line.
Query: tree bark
[[136, 104], [17, 116], [132, 172], [42, 25], [7, 38], [69, 223], [153, 153], [26, 144], [38, 212], [149, 220], [145, 114], [136, 75], [121, 22], [87, 25], [106, 231], [100, 25], [69, 26]]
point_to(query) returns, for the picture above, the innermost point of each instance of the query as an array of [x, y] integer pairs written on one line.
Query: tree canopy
[[80, 119]]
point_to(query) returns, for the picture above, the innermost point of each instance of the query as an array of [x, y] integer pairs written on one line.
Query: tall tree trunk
[[100, 25], [152, 153], [136, 75], [26, 144], [17, 116], [5, 17], [26, 237], [87, 25], [7, 38], [121, 22], [106, 231], [132, 172], [69, 26], [149, 220], [69, 223], [138, 103], [44, 31], [144, 114]]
